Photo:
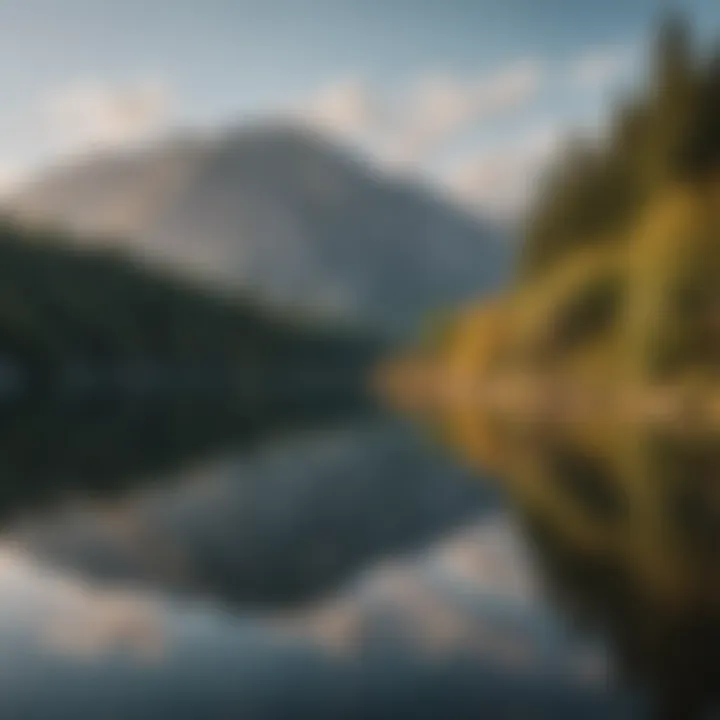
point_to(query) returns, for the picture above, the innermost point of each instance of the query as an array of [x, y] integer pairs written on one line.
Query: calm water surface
[[175, 562]]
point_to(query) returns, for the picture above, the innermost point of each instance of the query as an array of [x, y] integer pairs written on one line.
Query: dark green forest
[[619, 277], [83, 315], [666, 134]]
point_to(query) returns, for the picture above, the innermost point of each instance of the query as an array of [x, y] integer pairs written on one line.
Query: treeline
[[86, 314], [104, 445], [620, 274], [623, 248], [668, 134]]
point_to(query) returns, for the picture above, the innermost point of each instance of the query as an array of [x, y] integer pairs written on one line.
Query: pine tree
[[669, 134]]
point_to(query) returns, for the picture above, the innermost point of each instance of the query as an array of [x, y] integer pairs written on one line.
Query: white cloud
[[86, 115], [474, 594], [11, 176], [600, 68], [441, 107], [415, 129], [501, 181], [347, 108], [408, 131], [69, 617], [412, 130], [411, 127]]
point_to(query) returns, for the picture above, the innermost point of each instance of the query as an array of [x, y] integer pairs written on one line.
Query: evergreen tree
[[669, 134]]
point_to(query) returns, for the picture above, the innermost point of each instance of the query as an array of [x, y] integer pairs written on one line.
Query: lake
[[171, 560]]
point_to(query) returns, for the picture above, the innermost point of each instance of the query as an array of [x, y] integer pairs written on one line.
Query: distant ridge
[[281, 213]]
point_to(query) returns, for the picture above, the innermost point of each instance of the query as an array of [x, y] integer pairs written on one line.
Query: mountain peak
[[277, 210]]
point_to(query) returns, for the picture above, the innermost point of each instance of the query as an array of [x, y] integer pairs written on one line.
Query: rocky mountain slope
[[277, 211]]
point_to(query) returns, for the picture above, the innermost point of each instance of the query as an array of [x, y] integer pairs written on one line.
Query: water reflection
[[459, 631], [342, 565], [106, 444], [174, 560], [278, 523], [624, 519]]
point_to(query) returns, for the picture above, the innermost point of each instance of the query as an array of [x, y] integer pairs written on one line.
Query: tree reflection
[[625, 522]]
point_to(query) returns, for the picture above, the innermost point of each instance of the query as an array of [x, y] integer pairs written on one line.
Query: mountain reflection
[[196, 496], [183, 571], [560, 570], [459, 631], [54, 447]]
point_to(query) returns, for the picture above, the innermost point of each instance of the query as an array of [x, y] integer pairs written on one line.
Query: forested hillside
[[619, 281], [81, 316], [668, 134], [283, 213]]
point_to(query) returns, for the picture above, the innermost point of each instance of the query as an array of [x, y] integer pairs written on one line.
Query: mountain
[[278, 211], [98, 320]]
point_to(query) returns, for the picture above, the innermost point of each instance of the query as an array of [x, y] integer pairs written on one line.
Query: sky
[[472, 95]]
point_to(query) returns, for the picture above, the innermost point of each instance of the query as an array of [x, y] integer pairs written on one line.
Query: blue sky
[[79, 74]]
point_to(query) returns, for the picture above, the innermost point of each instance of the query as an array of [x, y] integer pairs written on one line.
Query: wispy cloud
[[11, 176], [411, 127], [502, 179], [414, 129], [348, 108], [601, 68], [474, 595], [67, 616], [442, 106], [86, 115]]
